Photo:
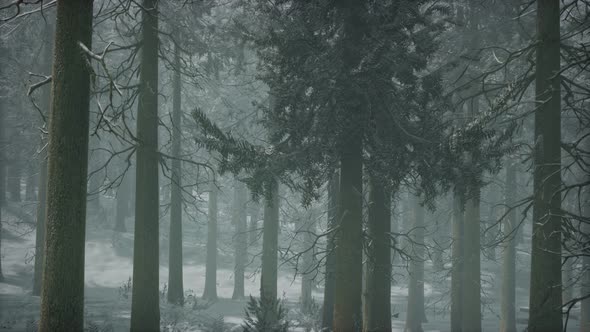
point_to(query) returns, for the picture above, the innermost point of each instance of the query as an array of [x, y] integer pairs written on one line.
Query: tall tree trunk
[[240, 239], [175, 285], [307, 271], [471, 264], [40, 232], [122, 208], [416, 312], [210, 292], [62, 296], [457, 258], [270, 244], [2, 160], [585, 284], [145, 305], [329, 278], [378, 276], [545, 292], [349, 248], [508, 308]]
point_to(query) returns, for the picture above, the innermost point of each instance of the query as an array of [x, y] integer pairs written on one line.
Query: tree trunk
[[349, 248], [40, 232], [329, 278], [253, 226], [378, 276], [62, 296], [585, 279], [508, 308], [240, 239], [122, 208], [175, 285], [145, 305], [210, 292], [545, 292], [416, 313], [307, 272], [270, 244], [457, 268], [2, 160], [471, 264]]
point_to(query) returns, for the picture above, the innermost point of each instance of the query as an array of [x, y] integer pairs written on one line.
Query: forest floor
[[109, 269]]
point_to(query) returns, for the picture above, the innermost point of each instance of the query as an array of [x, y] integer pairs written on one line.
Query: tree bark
[[509, 224], [210, 292], [2, 161], [329, 278], [145, 305], [416, 312], [175, 284], [545, 289], [585, 284], [240, 239], [270, 244], [62, 296], [471, 264], [349, 247], [457, 268]]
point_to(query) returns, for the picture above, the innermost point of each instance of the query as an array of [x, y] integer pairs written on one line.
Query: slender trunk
[[210, 292], [471, 282], [175, 284], [509, 224], [145, 305], [62, 296], [378, 276], [545, 292], [122, 208], [585, 280], [349, 247], [240, 239], [416, 312], [328, 307], [270, 243], [457, 268], [307, 271], [491, 226], [40, 233]]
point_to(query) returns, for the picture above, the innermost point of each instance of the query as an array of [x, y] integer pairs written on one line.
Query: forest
[[285, 165]]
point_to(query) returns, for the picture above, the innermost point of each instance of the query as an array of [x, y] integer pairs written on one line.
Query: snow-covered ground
[[109, 267]]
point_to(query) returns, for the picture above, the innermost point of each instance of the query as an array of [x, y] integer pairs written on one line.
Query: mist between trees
[[293, 165]]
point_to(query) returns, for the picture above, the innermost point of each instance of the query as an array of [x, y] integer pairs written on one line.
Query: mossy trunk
[[328, 306], [62, 296], [210, 292], [145, 304], [545, 289], [175, 283]]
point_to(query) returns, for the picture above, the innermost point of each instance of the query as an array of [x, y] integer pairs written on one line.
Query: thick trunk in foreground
[[349, 247], [62, 296], [509, 225], [328, 307], [145, 304], [545, 292], [175, 284], [210, 292], [2, 162], [378, 276], [416, 313], [457, 268], [585, 280], [270, 244], [472, 265], [240, 239]]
